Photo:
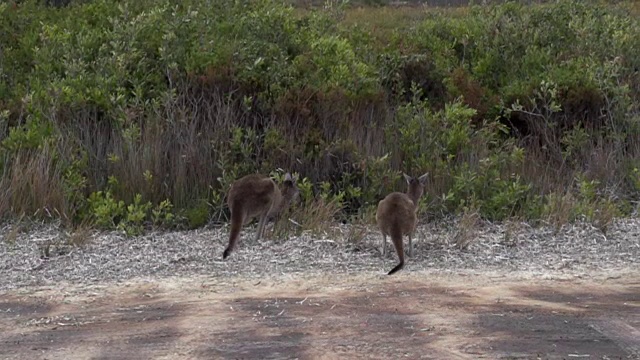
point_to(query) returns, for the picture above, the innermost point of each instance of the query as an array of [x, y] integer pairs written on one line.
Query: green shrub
[[162, 214], [105, 210], [179, 100], [475, 165], [197, 216]]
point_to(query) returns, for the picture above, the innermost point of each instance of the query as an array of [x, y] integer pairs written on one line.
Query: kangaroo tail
[[396, 238], [237, 219]]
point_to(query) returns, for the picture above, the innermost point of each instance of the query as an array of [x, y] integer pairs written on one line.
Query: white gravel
[[113, 257]]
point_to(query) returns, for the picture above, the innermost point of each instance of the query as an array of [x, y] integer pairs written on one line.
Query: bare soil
[[416, 315]]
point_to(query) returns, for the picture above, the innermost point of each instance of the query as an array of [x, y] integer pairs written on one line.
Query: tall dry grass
[[31, 185]]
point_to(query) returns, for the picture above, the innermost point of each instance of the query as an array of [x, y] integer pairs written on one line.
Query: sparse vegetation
[[467, 228], [140, 114]]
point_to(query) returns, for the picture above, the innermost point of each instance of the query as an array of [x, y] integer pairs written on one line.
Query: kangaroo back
[[396, 216], [256, 195]]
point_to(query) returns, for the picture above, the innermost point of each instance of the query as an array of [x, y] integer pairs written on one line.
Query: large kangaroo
[[257, 196], [396, 216]]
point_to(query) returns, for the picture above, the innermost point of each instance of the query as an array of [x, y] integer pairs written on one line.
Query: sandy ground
[[414, 315]]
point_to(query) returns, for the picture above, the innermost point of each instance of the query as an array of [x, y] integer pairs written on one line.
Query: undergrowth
[[134, 115]]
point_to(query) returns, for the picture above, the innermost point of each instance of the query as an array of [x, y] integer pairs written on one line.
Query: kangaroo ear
[[423, 178], [287, 177], [407, 177]]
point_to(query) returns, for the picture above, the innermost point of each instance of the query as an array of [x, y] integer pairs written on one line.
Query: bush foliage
[[139, 113]]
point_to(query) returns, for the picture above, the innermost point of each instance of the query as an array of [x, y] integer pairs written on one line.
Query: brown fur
[[396, 217], [257, 196]]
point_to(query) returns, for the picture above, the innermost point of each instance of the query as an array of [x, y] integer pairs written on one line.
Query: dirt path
[[412, 315]]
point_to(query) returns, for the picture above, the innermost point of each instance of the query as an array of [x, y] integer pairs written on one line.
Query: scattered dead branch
[[111, 257]]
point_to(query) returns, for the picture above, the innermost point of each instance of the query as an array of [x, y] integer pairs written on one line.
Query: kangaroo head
[[289, 193], [415, 186], [289, 189]]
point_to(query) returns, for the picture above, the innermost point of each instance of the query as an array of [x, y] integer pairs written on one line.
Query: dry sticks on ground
[[112, 257]]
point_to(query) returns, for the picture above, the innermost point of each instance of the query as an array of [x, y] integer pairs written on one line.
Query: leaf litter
[[40, 256]]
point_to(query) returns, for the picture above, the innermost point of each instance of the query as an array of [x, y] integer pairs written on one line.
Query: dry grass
[[467, 228], [634, 7], [31, 184], [172, 158], [80, 235], [511, 229], [559, 210], [316, 218], [166, 159], [11, 235], [356, 235], [360, 226], [604, 215]]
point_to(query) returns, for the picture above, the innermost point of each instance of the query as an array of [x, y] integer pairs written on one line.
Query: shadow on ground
[[407, 317]]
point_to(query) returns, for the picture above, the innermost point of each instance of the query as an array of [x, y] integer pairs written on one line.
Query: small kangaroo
[[396, 216], [257, 195]]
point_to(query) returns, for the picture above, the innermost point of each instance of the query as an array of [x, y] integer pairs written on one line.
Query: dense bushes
[[135, 113]]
